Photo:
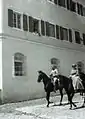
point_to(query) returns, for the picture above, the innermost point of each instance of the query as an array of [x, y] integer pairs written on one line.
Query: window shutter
[[78, 8], [81, 8], [61, 33], [55, 1], [68, 5], [70, 35], [30, 24], [83, 38], [42, 27], [25, 24], [57, 31], [10, 17], [47, 29]]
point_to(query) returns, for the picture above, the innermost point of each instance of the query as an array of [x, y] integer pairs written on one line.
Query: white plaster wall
[[38, 50], [38, 58], [1, 64], [1, 15]]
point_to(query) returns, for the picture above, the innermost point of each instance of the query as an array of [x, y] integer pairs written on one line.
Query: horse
[[65, 83]]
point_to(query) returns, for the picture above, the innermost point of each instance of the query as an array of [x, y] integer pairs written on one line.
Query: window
[[80, 9], [73, 6], [50, 29], [77, 37], [19, 64], [83, 38], [63, 33], [61, 3], [33, 25], [14, 19]]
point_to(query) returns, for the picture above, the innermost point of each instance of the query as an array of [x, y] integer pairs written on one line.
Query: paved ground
[[37, 109]]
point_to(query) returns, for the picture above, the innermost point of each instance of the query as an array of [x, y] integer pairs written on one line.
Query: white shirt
[[54, 73]]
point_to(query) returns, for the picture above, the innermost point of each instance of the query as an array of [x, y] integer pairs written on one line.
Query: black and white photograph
[[42, 59]]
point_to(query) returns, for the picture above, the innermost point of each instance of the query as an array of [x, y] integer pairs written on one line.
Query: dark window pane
[[10, 17], [73, 6], [55, 1], [61, 3], [18, 21], [77, 37], [14, 20], [35, 25]]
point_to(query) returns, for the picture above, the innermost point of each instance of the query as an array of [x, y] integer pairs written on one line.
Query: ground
[[36, 109]]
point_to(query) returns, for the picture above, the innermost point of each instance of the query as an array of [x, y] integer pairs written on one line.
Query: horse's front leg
[[70, 97], [47, 98], [61, 93], [84, 101]]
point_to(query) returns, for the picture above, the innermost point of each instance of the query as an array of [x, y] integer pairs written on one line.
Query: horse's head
[[40, 76]]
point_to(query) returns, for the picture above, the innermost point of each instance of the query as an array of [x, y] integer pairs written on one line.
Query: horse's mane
[[44, 74]]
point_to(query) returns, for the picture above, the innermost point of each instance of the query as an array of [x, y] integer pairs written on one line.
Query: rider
[[77, 82], [54, 76]]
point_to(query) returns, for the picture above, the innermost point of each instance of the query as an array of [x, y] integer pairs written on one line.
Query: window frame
[[17, 70], [18, 26]]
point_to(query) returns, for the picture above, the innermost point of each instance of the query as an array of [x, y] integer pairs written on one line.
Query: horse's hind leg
[[61, 93], [47, 97]]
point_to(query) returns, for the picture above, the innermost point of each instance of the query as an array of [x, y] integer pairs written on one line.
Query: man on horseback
[[54, 76], [74, 75]]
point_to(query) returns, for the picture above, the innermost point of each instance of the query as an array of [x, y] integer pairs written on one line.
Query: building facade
[[35, 35]]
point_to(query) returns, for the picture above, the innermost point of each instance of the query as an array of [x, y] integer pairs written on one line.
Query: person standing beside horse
[[54, 76], [74, 75]]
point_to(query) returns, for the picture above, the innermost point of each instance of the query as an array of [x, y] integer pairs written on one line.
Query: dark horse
[[65, 83]]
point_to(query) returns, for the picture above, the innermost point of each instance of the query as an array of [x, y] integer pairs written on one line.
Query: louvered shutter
[[25, 23], [47, 29], [57, 31], [30, 24], [70, 35], [42, 27], [55, 1], [61, 33], [10, 17], [83, 38]]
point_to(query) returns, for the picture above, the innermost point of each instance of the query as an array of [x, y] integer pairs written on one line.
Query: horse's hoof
[[70, 108], [47, 105], [75, 105], [83, 105], [60, 104]]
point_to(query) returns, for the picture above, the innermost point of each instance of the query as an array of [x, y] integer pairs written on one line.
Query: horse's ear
[[39, 71]]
